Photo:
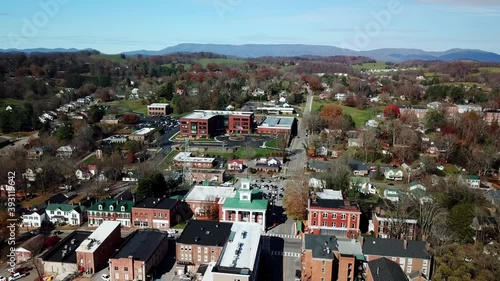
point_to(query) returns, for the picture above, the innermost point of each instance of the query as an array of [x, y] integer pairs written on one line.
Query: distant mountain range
[[293, 50]]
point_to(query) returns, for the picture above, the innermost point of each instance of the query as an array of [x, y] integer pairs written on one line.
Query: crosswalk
[[289, 236], [285, 254]]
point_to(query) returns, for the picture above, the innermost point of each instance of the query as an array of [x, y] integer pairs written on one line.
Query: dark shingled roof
[[156, 203], [206, 233], [59, 198], [318, 243], [141, 245], [394, 248], [385, 270]]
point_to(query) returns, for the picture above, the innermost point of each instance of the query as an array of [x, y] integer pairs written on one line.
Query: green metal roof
[[470, 177], [256, 204], [64, 207], [116, 206]]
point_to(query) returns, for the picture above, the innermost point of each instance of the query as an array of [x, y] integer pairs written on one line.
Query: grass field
[[490, 69], [113, 58], [128, 105], [360, 116], [226, 62], [5, 102], [370, 66], [272, 143], [259, 152], [90, 161], [468, 84]]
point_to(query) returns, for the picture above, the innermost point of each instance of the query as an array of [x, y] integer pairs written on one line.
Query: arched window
[[111, 208], [100, 207]]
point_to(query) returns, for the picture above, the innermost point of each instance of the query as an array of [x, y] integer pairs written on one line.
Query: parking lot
[[168, 123], [273, 191]]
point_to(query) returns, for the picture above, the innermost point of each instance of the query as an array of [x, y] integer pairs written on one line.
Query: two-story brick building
[[158, 109], [412, 256], [333, 217], [387, 226], [159, 213], [110, 210], [142, 251]]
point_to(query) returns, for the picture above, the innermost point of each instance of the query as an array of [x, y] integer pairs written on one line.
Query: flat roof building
[[143, 250], [159, 213], [273, 125], [199, 196], [158, 109], [142, 134], [62, 257], [94, 252], [210, 123], [185, 158]]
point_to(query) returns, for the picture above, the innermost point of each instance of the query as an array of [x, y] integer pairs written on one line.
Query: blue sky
[[115, 26]]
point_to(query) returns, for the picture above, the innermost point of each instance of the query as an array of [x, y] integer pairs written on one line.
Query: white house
[[471, 181], [235, 165], [130, 177], [34, 218], [30, 174], [391, 194], [316, 183], [393, 174], [372, 123], [66, 214], [341, 96], [322, 151], [83, 174], [64, 151], [354, 142], [416, 185]]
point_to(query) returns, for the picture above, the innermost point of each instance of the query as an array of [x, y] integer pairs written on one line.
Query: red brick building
[[491, 117], [209, 123], [333, 217], [142, 251], [274, 125], [93, 253], [159, 213], [158, 109], [382, 224]]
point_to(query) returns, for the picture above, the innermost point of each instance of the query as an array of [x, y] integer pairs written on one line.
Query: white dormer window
[[111, 208], [123, 208], [100, 207]]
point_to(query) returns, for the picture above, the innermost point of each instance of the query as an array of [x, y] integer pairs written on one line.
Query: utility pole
[[186, 170]]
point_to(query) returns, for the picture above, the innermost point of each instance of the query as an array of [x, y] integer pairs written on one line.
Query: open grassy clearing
[[493, 69], [226, 62], [12, 102], [128, 105], [370, 66], [272, 143], [113, 58], [360, 116]]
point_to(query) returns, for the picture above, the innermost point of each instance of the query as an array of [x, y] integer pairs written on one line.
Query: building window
[[325, 215], [425, 262], [343, 216], [322, 270], [342, 224], [100, 207], [126, 276], [314, 222], [323, 263], [199, 250], [334, 216], [199, 258], [408, 269], [353, 217], [334, 224], [353, 225], [322, 279], [206, 250], [315, 215], [424, 270], [117, 276], [123, 208], [394, 258], [111, 208], [324, 223], [125, 269], [410, 261], [116, 267]]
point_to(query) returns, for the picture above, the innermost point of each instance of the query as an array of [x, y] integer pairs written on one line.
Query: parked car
[[3, 278], [105, 277], [16, 276]]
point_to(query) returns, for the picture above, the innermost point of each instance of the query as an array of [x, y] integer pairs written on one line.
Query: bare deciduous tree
[[209, 208]]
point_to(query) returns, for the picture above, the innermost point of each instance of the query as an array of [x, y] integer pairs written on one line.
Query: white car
[[3, 278], [16, 276], [105, 277]]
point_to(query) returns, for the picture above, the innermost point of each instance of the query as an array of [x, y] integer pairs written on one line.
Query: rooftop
[[207, 114], [115, 204], [241, 249], [386, 270], [201, 193], [143, 131], [159, 105], [186, 157], [334, 204], [207, 233], [141, 245], [395, 248], [98, 236], [156, 203], [322, 246], [65, 207], [64, 251], [278, 122], [330, 194]]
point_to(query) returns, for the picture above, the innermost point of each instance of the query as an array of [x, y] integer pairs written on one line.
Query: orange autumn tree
[[330, 113]]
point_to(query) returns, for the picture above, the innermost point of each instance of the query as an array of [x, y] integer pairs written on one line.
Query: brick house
[[209, 123], [110, 210], [327, 258], [158, 109], [382, 225], [142, 251], [159, 213], [93, 253], [202, 242], [235, 165], [200, 198], [412, 256], [333, 217]]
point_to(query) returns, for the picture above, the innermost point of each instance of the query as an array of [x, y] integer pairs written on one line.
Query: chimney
[[405, 244]]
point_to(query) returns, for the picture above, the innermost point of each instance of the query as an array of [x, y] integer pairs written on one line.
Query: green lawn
[[127, 105], [90, 161], [5, 102], [451, 169], [170, 158], [226, 62], [181, 225], [259, 152], [113, 58], [272, 143], [360, 116], [493, 69], [468, 84], [370, 66]]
